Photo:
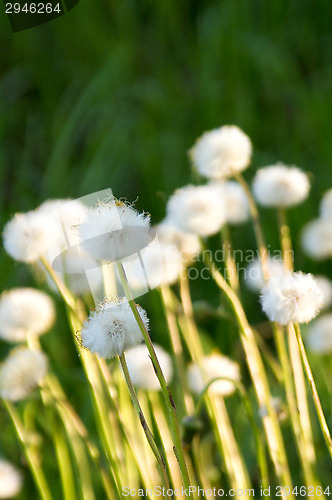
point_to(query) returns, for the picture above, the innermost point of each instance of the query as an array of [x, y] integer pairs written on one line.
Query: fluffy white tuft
[[235, 201], [221, 152], [187, 244], [196, 209], [280, 186], [294, 297], [112, 329], [254, 277], [141, 370], [316, 239], [27, 237], [325, 286], [213, 366], [10, 480], [325, 208], [21, 372], [25, 311], [113, 231], [319, 336]]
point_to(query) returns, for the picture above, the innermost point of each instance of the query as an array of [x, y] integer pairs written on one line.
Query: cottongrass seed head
[[280, 186], [319, 335], [10, 480], [221, 152], [21, 372], [196, 209], [325, 208], [112, 329], [113, 231], [254, 278], [213, 366], [23, 312], [235, 202], [141, 370], [316, 239], [292, 298]]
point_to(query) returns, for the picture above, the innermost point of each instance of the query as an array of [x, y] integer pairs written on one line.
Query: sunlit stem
[[257, 225], [30, 453], [259, 378], [285, 238], [144, 424], [231, 269], [174, 425], [309, 374]]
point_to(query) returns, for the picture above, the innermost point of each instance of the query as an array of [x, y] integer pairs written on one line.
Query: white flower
[[254, 277], [280, 186], [325, 208], [317, 239], [10, 480], [196, 209], [112, 329], [187, 244], [319, 336], [235, 201], [141, 370], [294, 297], [21, 372], [158, 264], [113, 231], [25, 311], [28, 236], [213, 366], [325, 286], [221, 152]]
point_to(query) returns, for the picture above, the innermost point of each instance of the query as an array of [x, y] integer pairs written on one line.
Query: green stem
[[285, 238], [144, 424], [64, 462], [30, 454], [231, 269], [259, 377], [178, 448], [318, 406]]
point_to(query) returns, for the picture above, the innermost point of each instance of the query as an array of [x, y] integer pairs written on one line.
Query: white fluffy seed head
[[113, 231], [235, 202], [280, 186], [28, 236], [294, 297], [196, 209], [213, 366], [319, 335], [325, 286], [187, 244], [10, 480], [316, 239], [158, 264], [141, 370], [221, 152], [25, 311], [21, 372], [325, 208], [112, 329], [254, 278]]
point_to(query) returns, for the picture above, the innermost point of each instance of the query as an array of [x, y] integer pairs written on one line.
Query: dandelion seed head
[[196, 209], [112, 329], [10, 480], [221, 152], [319, 335], [113, 231], [213, 366], [254, 278], [235, 202], [23, 312], [21, 372], [188, 244], [280, 186], [294, 297], [325, 208], [316, 239], [141, 370]]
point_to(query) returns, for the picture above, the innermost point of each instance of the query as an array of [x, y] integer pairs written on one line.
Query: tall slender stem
[[174, 425], [145, 426], [319, 409]]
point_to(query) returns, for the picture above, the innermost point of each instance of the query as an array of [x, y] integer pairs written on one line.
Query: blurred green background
[[114, 93]]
